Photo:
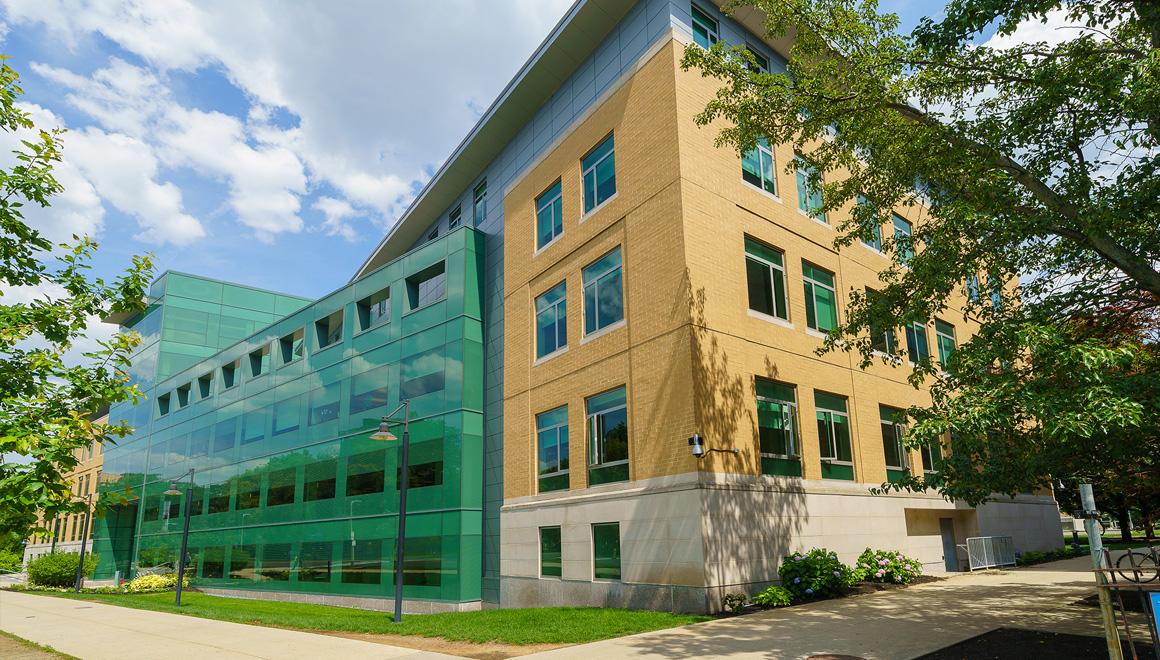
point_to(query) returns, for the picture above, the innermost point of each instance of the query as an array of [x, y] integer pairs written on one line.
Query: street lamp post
[[384, 433], [84, 539], [185, 531]]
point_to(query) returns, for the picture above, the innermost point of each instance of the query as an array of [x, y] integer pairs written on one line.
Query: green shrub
[[815, 574], [774, 596], [886, 566], [10, 561], [734, 602], [1033, 557], [58, 569], [154, 583]]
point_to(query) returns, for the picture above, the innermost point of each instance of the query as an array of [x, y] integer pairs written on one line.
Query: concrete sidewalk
[[93, 631], [891, 624]]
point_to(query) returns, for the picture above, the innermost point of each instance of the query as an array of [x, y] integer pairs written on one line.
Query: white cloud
[[1054, 29], [94, 331], [337, 212]]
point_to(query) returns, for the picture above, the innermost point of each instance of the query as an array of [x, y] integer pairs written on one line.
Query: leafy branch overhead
[[48, 299], [1030, 166]]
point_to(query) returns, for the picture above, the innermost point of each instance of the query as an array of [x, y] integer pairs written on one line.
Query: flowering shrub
[[152, 583], [886, 566], [774, 596], [734, 602], [815, 574]]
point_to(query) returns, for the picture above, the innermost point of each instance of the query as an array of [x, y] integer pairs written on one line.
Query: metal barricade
[[990, 551]]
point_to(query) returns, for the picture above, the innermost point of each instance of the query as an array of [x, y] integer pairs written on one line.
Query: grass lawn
[[549, 625]]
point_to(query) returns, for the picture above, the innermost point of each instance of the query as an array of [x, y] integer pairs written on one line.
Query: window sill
[[542, 359], [831, 461], [815, 333], [873, 249], [770, 319], [820, 221], [545, 246], [763, 191], [596, 209], [783, 457], [603, 331]]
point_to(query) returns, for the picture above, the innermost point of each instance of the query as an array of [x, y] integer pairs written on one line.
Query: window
[[314, 561], [821, 298], [881, 340], [606, 551], [423, 561], [434, 233], [205, 386], [329, 330], [422, 374], [287, 415], [242, 562], [365, 473], [549, 215], [455, 217], [892, 432], [276, 562], [902, 233], [324, 404], [931, 458], [362, 562], [809, 195], [916, 346], [777, 428], [320, 481], [945, 338], [197, 501], [834, 436], [972, 288], [254, 426], [293, 346], [479, 203], [427, 286], [183, 395], [374, 309], [421, 475], [995, 290], [875, 242], [550, 554], [281, 488], [260, 361], [199, 441], [219, 497], [552, 320], [163, 405], [552, 442], [368, 390], [757, 167], [761, 62], [224, 434], [765, 279], [213, 562], [705, 31], [603, 293], [249, 492], [598, 172], [230, 374], [607, 427]]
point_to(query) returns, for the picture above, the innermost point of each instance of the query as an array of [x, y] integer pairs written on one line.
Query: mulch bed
[[1132, 602], [1018, 644], [863, 588]]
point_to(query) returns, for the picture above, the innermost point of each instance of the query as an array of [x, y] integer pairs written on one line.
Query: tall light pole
[[185, 532], [84, 540], [384, 433]]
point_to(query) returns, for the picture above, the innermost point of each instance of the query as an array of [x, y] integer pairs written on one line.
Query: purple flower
[[837, 574], [797, 580], [809, 591], [880, 573], [882, 562]]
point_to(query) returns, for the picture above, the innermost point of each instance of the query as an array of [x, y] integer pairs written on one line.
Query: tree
[[1034, 169], [47, 404]]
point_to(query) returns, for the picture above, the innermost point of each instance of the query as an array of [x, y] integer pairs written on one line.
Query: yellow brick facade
[[82, 482]]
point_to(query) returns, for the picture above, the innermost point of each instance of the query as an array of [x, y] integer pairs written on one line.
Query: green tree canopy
[[1028, 163], [46, 402]]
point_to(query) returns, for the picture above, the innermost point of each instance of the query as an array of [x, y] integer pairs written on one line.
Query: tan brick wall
[[82, 481]]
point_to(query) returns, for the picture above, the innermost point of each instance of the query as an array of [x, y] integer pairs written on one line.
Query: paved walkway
[[891, 624], [93, 631]]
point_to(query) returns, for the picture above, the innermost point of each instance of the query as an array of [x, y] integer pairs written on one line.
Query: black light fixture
[[84, 541], [697, 446], [384, 433], [173, 490]]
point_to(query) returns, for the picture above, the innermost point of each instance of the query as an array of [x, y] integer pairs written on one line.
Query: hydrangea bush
[[815, 574], [886, 566]]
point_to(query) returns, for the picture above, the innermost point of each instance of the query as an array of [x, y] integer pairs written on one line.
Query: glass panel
[[213, 562], [315, 561], [479, 203], [422, 374], [903, 231], [549, 215], [362, 562], [276, 562], [606, 551], [242, 562], [598, 172], [328, 330], [375, 309], [249, 492], [809, 197], [704, 29], [293, 346], [282, 486], [369, 390], [550, 553], [287, 415], [551, 320], [603, 292], [427, 286], [607, 428], [324, 404], [320, 481], [225, 436], [366, 473], [423, 561]]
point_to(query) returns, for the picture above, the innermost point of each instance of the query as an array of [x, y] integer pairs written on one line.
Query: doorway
[[946, 528]]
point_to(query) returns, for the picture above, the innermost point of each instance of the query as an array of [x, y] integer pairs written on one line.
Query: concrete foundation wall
[[384, 604]]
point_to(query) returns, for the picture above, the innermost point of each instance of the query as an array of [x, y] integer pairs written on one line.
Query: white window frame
[[770, 266], [556, 428], [764, 151], [789, 416], [597, 203], [712, 28], [807, 280], [595, 282], [938, 344], [554, 307], [540, 204], [591, 431], [833, 439]]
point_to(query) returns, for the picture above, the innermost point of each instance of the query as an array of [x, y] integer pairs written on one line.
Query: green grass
[[38, 647], [550, 625]]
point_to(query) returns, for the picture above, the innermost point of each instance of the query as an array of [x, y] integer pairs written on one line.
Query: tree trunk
[[1148, 531], [1125, 524]]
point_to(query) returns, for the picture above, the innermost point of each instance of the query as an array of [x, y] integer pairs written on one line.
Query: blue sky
[[267, 144]]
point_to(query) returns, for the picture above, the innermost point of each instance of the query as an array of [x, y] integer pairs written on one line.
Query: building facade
[[587, 282], [68, 533]]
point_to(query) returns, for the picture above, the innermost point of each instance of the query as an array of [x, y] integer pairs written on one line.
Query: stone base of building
[[361, 602]]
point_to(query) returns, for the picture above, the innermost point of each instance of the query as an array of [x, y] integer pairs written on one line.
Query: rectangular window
[[200, 440], [765, 279], [427, 286], [366, 473], [705, 31], [324, 404], [374, 309], [421, 475], [293, 346], [423, 561], [276, 562], [242, 562], [972, 288], [931, 458], [945, 336], [260, 361], [552, 441], [362, 562], [902, 234], [163, 405], [219, 497], [550, 553], [314, 561], [197, 501], [479, 203], [607, 428], [881, 340], [422, 374], [875, 242], [320, 481], [230, 374], [287, 415], [454, 218], [809, 194], [178, 449], [549, 215], [777, 428], [606, 551], [821, 298], [254, 426], [213, 562], [603, 292], [368, 390], [552, 320], [282, 486], [183, 395], [598, 172], [995, 290], [892, 446], [760, 62], [329, 330], [249, 492], [834, 436], [757, 167], [916, 346], [224, 436], [434, 233], [205, 386]]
